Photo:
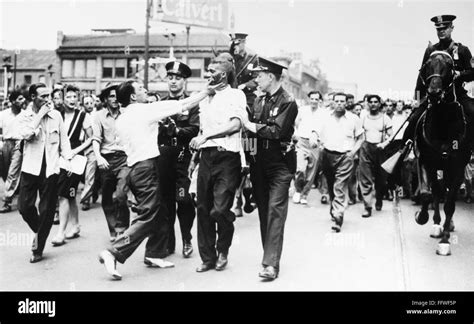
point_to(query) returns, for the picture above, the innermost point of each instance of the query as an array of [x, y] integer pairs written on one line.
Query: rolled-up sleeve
[[239, 104], [96, 128]]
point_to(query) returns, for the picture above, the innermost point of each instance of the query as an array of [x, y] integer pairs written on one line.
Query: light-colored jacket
[[50, 137]]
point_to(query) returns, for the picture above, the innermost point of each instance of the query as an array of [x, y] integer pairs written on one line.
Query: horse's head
[[437, 75]]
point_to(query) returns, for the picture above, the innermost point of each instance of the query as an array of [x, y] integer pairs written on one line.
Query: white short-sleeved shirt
[[8, 121], [339, 134], [308, 120], [218, 110], [137, 128], [397, 122], [376, 129]]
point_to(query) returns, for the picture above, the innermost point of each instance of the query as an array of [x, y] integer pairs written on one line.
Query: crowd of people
[[153, 159]]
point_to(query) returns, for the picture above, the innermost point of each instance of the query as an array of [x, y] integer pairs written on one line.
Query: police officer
[[463, 65], [175, 133], [242, 60], [244, 80], [271, 124]]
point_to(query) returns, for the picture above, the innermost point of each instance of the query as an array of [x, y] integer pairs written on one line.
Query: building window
[[79, 68], [114, 68], [42, 79], [90, 69], [67, 69], [197, 67], [28, 79]]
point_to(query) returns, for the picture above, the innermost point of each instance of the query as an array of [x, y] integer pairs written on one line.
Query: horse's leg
[[437, 192], [422, 216], [453, 182]]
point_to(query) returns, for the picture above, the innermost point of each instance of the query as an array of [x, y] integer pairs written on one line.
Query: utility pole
[[147, 42]]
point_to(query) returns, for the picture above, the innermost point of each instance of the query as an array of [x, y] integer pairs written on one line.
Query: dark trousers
[[373, 178], [271, 180], [174, 183], [338, 169], [47, 188], [151, 220], [114, 193], [218, 178]]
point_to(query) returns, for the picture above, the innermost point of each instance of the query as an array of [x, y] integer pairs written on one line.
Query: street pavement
[[386, 252]]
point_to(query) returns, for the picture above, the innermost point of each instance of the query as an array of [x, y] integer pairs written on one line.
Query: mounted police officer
[[463, 66], [271, 124], [175, 133]]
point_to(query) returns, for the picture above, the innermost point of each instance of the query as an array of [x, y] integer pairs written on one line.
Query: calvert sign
[[203, 13]]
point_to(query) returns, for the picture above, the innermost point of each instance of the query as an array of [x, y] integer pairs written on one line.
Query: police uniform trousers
[[218, 178], [10, 167], [271, 180], [373, 178], [337, 167], [174, 182], [151, 219], [114, 192], [307, 166], [39, 220]]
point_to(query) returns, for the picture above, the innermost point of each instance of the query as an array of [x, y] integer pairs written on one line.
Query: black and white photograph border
[[319, 52]]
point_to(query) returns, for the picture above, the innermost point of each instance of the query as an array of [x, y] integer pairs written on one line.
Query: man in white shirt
[[341, 135], [307, 150], [219, 166], [373, 179], [137, 131], [11, 157]]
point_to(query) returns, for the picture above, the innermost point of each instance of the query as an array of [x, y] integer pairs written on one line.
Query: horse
[[440, 144]]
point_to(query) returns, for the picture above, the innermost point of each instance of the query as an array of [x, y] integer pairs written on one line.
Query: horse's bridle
[[425, 81]]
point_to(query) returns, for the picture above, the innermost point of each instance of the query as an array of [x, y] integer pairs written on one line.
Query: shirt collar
[[269, 97], [108, 113]]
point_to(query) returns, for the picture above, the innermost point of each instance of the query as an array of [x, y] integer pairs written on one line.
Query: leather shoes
[[187, 249], [367, 212], [6, 208], [36, 258], [221, 261], [205, 267], [378, 205], [337, 224], [86, 205], [269, 273], [74, 233], [108, 260], [324, 200]]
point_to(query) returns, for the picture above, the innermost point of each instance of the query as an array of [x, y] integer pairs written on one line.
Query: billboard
[[202, 13]]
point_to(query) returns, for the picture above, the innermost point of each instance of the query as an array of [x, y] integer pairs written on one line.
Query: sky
[[376, 44]]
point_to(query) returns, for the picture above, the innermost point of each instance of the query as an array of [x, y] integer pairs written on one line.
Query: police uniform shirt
[[339, 134], [275, 116], [187, 123], [217, 110]]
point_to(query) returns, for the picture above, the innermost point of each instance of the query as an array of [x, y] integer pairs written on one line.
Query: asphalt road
[[387, 252]]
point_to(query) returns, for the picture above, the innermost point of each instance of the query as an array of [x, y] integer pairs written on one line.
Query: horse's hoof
[[451, 226], [421, 217], [437, 231], [443, 249]]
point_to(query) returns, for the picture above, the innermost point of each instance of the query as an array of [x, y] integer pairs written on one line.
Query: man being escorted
[[137, 129], [341, 135], [219, 166], [373, 179], [175, 133], [271, 122], [46, 139], [10, 160]]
